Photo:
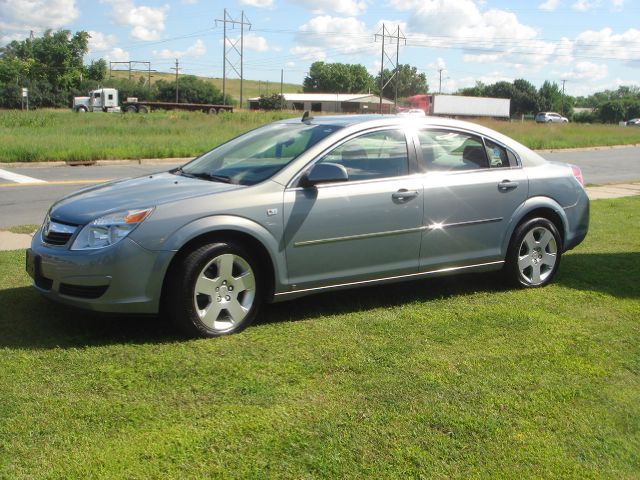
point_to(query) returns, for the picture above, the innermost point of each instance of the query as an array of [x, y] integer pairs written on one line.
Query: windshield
[[257, 155]]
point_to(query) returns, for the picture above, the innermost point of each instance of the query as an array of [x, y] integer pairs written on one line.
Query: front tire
[[215, 290], [534, 254]]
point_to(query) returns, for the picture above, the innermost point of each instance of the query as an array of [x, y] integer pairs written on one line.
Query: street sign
[[25, 92]]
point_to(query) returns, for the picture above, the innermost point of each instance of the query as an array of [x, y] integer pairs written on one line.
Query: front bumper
[[124, 278]]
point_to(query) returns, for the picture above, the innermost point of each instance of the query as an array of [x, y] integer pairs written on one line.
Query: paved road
[[22, 203]]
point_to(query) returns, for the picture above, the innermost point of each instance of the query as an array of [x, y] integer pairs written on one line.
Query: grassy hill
[[251, 88]]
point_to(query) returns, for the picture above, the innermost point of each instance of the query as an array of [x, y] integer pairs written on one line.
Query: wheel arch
[[238, 230], [538, 207]]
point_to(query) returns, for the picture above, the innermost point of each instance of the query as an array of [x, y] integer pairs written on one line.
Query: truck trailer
[[106, 100], [460, 106]]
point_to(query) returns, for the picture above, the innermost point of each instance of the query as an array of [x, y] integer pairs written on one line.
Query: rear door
[[472, 187], [365, 228]]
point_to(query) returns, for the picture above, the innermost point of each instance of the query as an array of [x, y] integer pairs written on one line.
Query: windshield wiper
[[210, 176]]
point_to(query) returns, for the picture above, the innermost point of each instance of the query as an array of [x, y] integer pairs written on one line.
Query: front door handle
[[404, 195], [507, 185]]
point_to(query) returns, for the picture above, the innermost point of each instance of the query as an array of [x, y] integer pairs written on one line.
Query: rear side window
[[445, 150]]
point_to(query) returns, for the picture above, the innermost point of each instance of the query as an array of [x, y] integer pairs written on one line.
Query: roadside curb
[[588, 149], [98, 163]]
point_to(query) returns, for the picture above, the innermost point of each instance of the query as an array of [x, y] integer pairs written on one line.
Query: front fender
[[211, 224]]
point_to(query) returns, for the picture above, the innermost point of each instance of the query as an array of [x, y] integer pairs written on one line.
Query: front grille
[[57, 238], [57, 233], [82, 291]]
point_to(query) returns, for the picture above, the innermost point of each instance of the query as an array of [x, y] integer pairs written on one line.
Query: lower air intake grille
[[82, 291]]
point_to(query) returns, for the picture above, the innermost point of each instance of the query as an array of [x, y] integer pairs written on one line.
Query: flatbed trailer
[[146, 107]]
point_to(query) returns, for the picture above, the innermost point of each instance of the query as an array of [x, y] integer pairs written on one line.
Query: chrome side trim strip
[[378, 280], [357, 237], [433, 226], [438, 226]]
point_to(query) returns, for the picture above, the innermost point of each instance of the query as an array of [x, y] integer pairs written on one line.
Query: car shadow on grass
[[29, 321], [615, 274]]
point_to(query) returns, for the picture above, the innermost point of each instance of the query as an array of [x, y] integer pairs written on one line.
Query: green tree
[[612, 112], [550, 97], [410, 82], [97, 70], [275, 101], [337, 78], [190, 90]]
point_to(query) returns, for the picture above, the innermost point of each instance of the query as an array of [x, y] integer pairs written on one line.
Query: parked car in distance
[[550, 117], [298, 207], [634, 122]]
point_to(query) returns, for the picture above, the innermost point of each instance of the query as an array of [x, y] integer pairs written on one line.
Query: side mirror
[[324, 173]]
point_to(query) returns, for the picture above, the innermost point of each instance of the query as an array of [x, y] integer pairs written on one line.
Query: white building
[[332, 102]]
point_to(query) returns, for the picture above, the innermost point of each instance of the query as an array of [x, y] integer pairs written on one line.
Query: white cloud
[[617, 4], [147, 22], [99, 42], [342, 35], [117, 55], [584, 5], [345, 7], [258, 3], [587, 71], [196, 50], [606, 44], [311, 54], [37, 15], [549, 5]]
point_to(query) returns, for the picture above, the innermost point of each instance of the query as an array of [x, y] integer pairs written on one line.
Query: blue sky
[[592, 44]]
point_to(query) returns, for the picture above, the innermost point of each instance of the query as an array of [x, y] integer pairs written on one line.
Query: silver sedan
[[304, 206]]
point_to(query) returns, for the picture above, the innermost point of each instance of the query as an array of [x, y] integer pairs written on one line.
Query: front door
[[365, 228]]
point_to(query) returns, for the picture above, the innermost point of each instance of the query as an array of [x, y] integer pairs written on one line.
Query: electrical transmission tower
[[389, 39], [230, 49]]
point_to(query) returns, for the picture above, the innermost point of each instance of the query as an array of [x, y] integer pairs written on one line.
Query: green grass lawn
[[448, 378], [46, 135]]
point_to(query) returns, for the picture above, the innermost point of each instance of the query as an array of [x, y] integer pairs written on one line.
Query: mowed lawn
[[445, 378]]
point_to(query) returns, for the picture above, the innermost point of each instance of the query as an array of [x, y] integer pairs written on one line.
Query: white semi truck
[[100, 100], [106, 100]]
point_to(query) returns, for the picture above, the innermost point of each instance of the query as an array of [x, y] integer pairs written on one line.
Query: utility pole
[[177, 69], [440, 86], [385, 33], [230, 45], [562, 112]]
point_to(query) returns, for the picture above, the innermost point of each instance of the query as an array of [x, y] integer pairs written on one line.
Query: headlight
[[110, 229]]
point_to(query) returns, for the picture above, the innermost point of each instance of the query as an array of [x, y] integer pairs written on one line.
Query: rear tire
[[534, 254], [143, 109], [215, 290], [131, 109]]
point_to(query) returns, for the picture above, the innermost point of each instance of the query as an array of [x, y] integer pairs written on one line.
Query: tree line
[[52, 68]]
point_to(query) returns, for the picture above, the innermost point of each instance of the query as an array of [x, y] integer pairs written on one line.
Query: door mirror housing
[[324, 173]]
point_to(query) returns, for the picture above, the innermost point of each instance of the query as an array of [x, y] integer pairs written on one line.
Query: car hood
[[90, 203]]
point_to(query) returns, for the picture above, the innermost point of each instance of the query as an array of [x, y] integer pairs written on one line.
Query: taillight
[[578, 174]]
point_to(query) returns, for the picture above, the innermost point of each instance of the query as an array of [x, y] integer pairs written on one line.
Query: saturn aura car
[[304, 206]]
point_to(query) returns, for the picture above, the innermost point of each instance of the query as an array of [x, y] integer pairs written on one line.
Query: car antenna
[[306, 118]]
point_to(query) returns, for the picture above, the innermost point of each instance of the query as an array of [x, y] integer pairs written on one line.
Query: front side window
[[372, 155], [444, 150], [257, 155]]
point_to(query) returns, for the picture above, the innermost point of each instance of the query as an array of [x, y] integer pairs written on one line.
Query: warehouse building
[[332, 102]]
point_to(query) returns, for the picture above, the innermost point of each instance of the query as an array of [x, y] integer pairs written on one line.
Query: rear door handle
[[507, 185], [404, 195]]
